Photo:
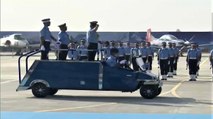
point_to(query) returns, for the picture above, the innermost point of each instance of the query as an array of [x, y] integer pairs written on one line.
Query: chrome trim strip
[[100, 77]]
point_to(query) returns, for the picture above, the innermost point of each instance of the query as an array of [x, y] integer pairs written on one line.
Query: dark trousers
[[164, 66], [63, 54], [150, 62], [144, 59], [44, 54], [171, 64], [145, 64], [127, 58], [91, 54], [175, 63], [192, 66], [134, 64]]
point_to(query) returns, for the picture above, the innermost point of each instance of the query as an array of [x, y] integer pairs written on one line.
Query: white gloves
[[42, 48]]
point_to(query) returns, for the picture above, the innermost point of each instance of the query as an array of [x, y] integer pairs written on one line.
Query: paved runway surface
[[179, 96]]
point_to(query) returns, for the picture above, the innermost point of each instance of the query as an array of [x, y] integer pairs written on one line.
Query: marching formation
[[120, 54]]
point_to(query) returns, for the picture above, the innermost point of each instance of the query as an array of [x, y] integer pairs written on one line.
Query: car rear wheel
[[40, 90], [148, 92], [52, 91]]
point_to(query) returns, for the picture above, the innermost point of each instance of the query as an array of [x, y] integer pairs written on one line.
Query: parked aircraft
[[14, 40], [157, 42]]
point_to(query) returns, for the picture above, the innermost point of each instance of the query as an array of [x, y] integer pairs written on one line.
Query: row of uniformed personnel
[[130, 54], [167, 60]]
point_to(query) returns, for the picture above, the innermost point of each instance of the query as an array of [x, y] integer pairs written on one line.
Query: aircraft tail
[[149, 36]]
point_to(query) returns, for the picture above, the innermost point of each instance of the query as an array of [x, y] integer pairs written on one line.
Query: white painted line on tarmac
[[10, 81], [204, 61], [80, 107], [173, 91]]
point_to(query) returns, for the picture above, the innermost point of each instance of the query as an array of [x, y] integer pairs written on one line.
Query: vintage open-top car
[[46, 77]]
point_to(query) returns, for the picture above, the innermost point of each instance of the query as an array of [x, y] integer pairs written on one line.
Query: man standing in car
[[46, 37], [92, 40]]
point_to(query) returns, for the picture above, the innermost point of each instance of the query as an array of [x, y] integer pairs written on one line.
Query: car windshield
[[18, 37]]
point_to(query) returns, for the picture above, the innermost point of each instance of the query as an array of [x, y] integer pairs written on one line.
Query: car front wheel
[[148, 92]]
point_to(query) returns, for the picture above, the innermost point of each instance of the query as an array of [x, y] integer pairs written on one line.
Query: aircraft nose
[[181, 43]]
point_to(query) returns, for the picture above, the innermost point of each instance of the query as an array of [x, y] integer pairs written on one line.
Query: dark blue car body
[[85, 75]]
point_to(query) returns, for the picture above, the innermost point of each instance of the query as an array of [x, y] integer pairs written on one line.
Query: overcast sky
[[112, 15]]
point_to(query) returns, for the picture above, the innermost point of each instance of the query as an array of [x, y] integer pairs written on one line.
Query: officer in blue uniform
[[92, 40], [150, 53], [82, 51], [106, 50], [176, 57], [72, 53], [45, 38], [171, 60], [127, 52], [211, 61], [135, 52], [143, 52], [192, 60], [63, 39], [163, 57], [121, 52], [112, 59]]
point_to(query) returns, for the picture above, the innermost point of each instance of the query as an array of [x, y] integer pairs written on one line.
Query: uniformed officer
[[171, 60], [72, 53], [199, 58], [176, 57], [106, 50], [113, 44], [92, 40], [150, 53], [144, 54], [63, 39], [163, 57], [82, 51], [112, 59], [192, 60], [211, 61], [45, 38], [127, 52], [121, 52], [135, 52]]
